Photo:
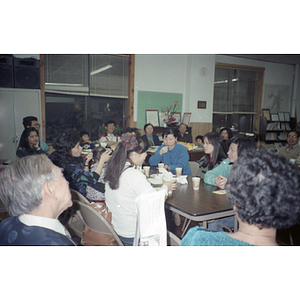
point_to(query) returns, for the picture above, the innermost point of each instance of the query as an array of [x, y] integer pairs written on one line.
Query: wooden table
[[201, 205]]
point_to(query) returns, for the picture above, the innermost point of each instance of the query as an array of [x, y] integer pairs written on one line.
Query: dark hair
[[24, 137], [130, 142], [97, 152], [183, 124], [245, 145], [229, 131], [109, 122], [293, 131], [218, 155], [63, 145], [83, 133], [265, 188], [27, 121], [199, 137], [146, 125], [168, 131]]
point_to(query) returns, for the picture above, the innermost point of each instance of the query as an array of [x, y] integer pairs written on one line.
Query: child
[[199, 141], [85, 142], [91, 193]]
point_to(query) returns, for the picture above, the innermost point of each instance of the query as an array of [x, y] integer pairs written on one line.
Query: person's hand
[[105, 156], [220, 181], [167, 168], [172, 185], [36, 146], [85, 146], [88, 158], [163, 150]]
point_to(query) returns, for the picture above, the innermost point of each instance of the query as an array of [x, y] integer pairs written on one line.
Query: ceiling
[[290, 59]]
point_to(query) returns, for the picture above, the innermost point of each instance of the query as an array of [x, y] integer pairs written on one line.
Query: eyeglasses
[[36, 124], [292, 136]]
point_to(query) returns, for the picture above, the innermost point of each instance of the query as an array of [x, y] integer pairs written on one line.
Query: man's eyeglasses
[[292, 136]]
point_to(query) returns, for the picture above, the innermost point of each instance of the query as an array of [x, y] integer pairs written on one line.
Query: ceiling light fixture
[[63, 84], [101, 70]]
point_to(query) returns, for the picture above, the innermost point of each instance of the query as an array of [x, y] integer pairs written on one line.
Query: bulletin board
[[155, 100]]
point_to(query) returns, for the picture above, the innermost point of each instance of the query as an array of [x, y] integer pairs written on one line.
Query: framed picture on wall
[[152, 117], [163, 117], [186, 118], [176, 116], [266, 113]]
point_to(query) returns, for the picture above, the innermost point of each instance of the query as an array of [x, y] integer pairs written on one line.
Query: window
[[237, 97], [84, 91]]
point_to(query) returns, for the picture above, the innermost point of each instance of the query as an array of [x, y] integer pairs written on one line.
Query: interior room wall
[[193, 76]]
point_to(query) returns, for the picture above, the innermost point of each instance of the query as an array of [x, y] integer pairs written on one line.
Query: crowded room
[[200, 150]]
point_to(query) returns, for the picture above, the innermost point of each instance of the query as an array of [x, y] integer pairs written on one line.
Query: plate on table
[[155, 181]]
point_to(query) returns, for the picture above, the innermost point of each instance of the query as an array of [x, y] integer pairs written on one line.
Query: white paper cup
[[160, 165], [293, 161], [178, 171], [196, 183], [146, 171]]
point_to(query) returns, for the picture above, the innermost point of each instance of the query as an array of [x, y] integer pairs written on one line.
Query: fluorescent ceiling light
[[63, 84], [101, 70]]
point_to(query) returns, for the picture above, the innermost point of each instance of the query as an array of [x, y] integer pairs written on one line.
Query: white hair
[[21, 183]]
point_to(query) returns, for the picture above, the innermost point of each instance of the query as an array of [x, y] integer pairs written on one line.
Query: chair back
[[194, 167], [95, 221], [172, 239], [77, 196]]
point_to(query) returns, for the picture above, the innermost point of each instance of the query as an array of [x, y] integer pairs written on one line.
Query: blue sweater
[[14, 232], [199, 236], [178, 157]]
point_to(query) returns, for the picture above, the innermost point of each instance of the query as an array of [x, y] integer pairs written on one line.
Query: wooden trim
[[130, 101], [257, 108], [43, 102], [239, 66]]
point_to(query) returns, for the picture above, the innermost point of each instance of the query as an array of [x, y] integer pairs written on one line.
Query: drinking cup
[[178, 171], [160, 167], [196, 183], [146, 171]]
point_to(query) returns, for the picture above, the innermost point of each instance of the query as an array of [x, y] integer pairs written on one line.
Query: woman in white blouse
[[124, 183]]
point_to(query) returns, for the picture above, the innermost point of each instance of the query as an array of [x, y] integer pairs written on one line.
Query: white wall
[[182, 74]]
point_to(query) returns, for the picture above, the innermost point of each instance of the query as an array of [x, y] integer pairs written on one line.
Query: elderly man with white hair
[[35, 193]]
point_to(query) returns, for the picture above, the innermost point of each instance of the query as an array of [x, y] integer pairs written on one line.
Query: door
[[15, 104]]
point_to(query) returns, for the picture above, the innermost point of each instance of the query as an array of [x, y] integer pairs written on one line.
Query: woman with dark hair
[[152, 139], [67, 155], [172, 154], [214, 153], [263, 189], [238, 146], [227, 135], [29, 143], [124, 183]]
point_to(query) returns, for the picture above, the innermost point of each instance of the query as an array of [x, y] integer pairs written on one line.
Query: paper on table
[[182, 179]]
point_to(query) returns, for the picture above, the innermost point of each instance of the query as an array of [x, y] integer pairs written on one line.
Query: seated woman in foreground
[[214, 153], [67, 155], [263, 190], [124, 184], [172, 154]]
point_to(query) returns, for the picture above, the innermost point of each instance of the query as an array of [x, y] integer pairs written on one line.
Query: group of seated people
[[109, 175]]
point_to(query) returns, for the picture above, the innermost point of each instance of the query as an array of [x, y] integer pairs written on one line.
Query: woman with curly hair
[[214, 153], [124, 183], [67, 155], [264, 192]]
